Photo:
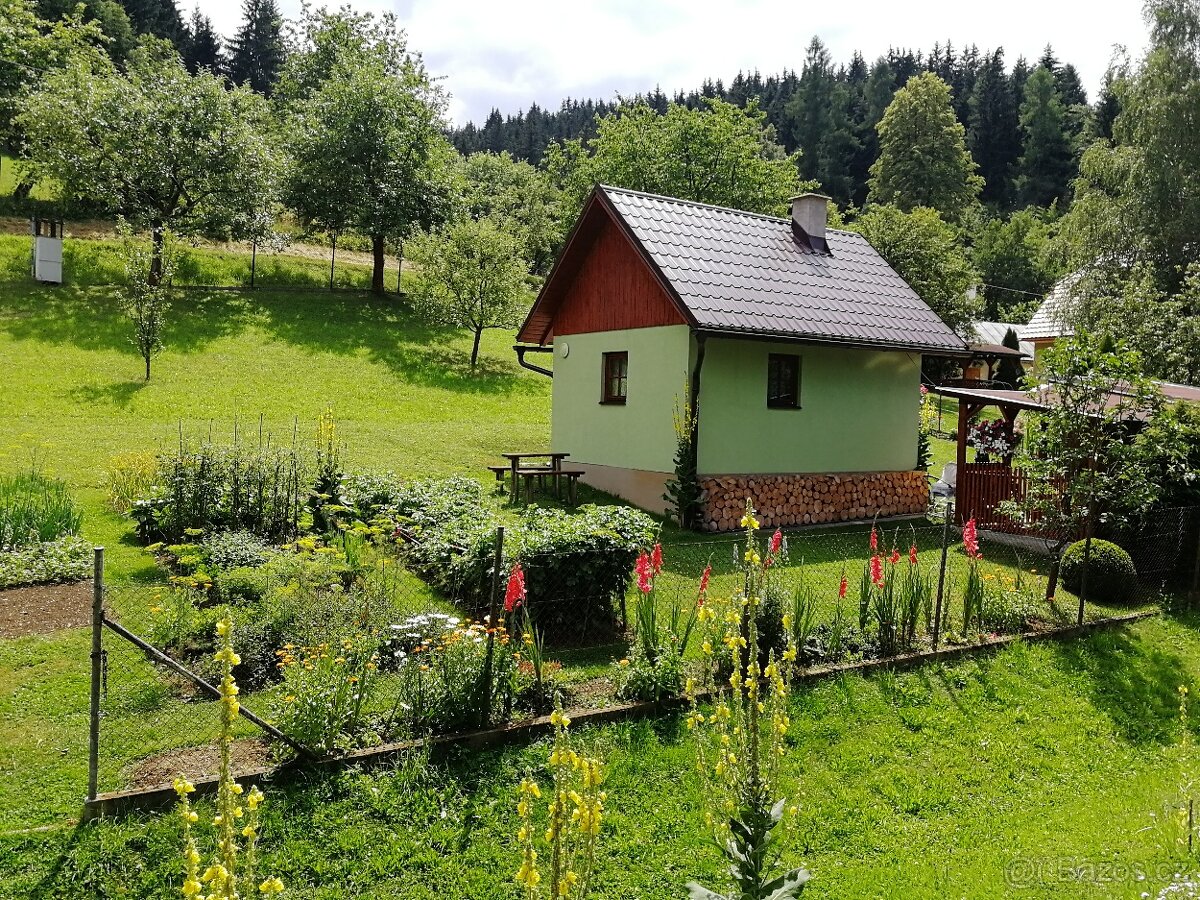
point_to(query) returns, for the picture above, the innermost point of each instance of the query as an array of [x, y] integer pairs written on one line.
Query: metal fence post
[[1083, 577], [937, 609], [485, 699], [1195, 564], [97, 671], [332, 258]]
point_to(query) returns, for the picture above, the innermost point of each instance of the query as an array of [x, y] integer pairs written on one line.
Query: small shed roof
[[740, 273], [993, 333]]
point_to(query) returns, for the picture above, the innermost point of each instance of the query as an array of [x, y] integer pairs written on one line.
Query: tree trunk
[[475, 348], [157, 241], [147, 358], [378, 260]]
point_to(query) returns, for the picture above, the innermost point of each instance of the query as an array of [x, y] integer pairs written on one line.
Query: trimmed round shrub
[[1111, 575]]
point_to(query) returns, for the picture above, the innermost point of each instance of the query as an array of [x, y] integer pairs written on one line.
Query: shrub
[[35, 508], [242, 585], [578, 565], [1112, 577], [236, 550], [67, 559]]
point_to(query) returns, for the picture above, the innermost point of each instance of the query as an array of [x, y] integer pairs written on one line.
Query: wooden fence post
[[485, 687], [97, 671], [937, 609]]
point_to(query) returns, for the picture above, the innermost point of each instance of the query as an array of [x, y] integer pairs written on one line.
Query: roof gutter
[[734, 334], [522, 349]]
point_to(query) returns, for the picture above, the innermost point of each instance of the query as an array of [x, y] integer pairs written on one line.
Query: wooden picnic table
[[516, 468]]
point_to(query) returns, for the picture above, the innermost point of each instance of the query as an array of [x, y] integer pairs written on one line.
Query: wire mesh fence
[[339, 659]]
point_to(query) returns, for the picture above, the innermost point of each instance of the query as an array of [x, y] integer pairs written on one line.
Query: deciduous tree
[[924, 250], [156, 145], [923, 157], [518, 197], [470, 275], [365, 134], [716, 153]]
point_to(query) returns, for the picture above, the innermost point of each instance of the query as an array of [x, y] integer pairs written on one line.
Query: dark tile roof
[[744, 273]]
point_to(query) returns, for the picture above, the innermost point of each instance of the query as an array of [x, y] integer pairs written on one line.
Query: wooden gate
[[982, 487]]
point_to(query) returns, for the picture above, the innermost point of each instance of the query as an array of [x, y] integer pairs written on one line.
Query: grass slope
[[1033, 773], [403, 395]]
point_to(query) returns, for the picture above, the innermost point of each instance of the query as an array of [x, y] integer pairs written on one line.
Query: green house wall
[[858, 411], [638, 435]]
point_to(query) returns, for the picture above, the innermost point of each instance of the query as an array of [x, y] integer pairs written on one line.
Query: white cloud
[[509, 55]]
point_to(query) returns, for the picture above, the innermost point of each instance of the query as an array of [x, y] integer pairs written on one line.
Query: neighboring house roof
[[740, 273], [1050, 320], [993, 333]]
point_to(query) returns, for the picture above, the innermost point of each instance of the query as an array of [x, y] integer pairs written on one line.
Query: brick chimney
[[809, 213]]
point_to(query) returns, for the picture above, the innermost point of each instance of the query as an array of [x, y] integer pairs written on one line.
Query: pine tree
[[923, 157], [256, 51], [1046, 167], [810, 108], [1108, 104], [160, 18], [202, 49], [1010, 373], [993, 130]]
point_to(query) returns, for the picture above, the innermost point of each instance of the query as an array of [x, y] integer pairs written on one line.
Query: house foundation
[[783, 500]]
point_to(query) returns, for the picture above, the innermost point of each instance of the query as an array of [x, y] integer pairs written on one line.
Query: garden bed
[[156, 796], [44, 608]]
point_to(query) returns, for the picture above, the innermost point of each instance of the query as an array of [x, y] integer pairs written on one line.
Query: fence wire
[[155, 723]]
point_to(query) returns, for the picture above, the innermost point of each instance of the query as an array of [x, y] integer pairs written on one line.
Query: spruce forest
[[1026, 142]]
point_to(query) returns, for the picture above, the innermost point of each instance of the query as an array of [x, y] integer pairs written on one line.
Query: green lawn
[[939, 779], [1033, 773]]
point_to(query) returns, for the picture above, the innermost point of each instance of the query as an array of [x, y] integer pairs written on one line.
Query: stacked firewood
[[811, 499]]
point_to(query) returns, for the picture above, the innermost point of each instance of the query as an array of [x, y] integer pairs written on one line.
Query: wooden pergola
[[981, 487]]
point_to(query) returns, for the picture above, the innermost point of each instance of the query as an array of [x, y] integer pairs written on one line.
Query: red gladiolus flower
[[704, 585], [656, 558], [971, 539], [842, 588], [912, 555], [876, 570], [776, 541], [874, 540], [644, 569], [514, 594], [895, 557]]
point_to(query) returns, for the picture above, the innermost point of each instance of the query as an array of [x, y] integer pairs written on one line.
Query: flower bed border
[[117, 803]]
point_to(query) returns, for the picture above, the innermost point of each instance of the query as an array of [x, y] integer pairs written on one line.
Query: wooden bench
[[500, 472], [572, 476]]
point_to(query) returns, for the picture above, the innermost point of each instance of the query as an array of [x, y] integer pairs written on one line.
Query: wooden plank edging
[[117, 803]]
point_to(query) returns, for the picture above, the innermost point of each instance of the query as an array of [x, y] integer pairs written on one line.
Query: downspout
[[695, 399], [522, 349]]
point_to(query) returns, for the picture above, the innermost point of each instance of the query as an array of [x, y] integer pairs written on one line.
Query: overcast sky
[[510, 54]]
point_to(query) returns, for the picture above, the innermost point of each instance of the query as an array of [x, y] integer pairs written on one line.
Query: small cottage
[[1052, 319], [799, 346]]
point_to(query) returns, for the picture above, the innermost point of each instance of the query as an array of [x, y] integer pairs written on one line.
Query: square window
[[783, 381], [615, 377]]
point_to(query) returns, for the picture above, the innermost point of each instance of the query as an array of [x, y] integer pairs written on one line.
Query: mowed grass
[[404, 397], [1037, 772], [1032, 773]]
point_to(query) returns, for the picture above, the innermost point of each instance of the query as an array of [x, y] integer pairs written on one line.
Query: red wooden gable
[[602, 282]]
